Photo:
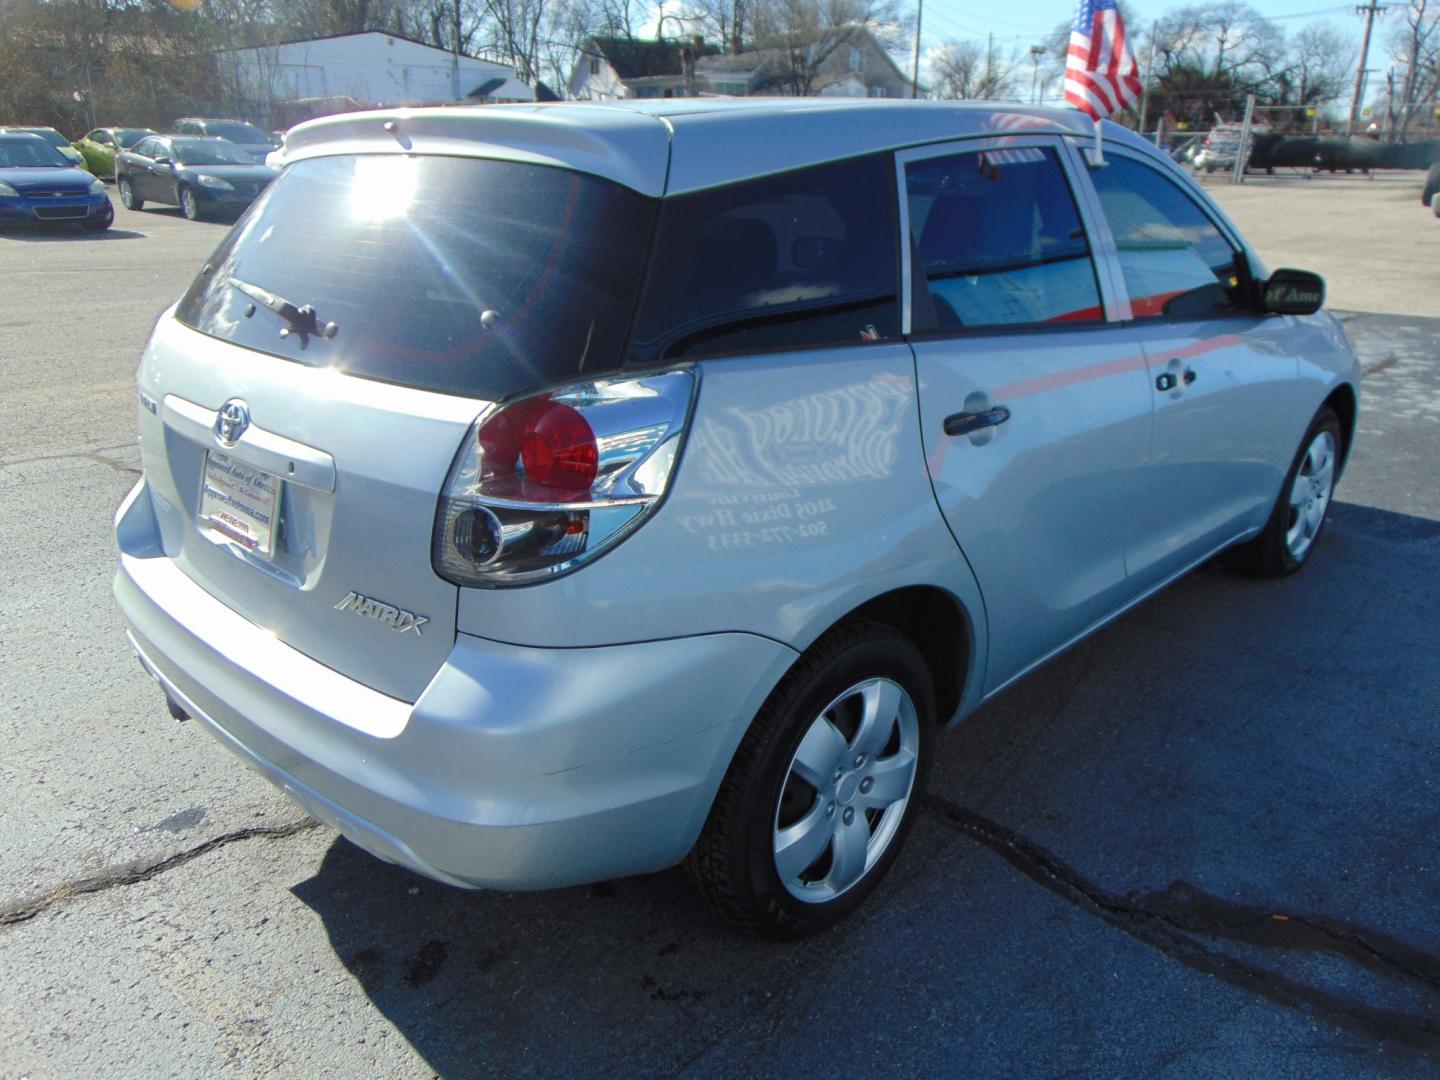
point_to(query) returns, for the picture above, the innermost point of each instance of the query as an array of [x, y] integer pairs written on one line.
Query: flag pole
[[1096, 156]]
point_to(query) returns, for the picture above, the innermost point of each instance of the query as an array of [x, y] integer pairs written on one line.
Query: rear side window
[[458, 275], [803, 259], [1176, 262], [998, 239]]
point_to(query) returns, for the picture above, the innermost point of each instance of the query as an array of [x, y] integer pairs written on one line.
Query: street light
[[1036, 52]]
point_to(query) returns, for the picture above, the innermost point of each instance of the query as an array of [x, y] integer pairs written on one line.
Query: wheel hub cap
[[1310, 494], [846, 790]]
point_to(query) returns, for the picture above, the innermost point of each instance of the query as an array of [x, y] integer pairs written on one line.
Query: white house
[[372, 68]]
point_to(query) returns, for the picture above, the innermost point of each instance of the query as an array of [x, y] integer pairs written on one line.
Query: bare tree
[[1228, 43], [1414, 73], [971, 71], [1318, 67], [803, 34]]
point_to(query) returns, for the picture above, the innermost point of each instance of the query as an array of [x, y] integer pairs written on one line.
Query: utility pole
[[1145, 86], [915, 71], [455, 57], [989, 53], [1370, 10], [1036, 51]]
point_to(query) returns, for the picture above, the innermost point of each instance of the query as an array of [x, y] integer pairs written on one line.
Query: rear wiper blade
[[300, 319]]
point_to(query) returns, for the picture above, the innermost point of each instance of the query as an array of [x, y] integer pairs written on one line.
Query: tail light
[[547, 482]]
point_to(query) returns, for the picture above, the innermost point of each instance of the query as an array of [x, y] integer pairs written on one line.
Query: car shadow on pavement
[[1228, 799], [62, 234]]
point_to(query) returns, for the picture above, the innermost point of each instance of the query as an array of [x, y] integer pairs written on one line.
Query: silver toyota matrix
[[545, 494]]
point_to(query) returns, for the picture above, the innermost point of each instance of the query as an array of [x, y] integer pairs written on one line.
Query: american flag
[[1100, 73]]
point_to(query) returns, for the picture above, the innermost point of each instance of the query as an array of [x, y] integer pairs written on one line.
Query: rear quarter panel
[[802, 493]]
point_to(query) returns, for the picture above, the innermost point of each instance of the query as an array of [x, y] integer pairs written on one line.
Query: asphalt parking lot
[[1204, 842]]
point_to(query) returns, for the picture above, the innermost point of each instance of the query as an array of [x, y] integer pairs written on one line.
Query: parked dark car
[[38, 184], [246, 136], [100, 146], [204, 177]]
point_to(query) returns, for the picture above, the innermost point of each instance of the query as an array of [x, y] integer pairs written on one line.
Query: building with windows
[[849, 63]]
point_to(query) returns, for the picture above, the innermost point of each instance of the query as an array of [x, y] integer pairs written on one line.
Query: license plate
[[240, 501]]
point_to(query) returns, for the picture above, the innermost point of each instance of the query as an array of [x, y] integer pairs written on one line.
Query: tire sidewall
[[189, 204], [887, 657], [127, 193], [1274, 537]]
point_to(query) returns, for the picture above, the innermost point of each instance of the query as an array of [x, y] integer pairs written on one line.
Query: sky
[[1028, 22]]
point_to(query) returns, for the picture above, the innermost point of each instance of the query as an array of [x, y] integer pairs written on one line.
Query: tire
[[1432, 185], [1435, 203], [857, 714], [127, 195], [190, 205], [98, 226], [1288, 539]]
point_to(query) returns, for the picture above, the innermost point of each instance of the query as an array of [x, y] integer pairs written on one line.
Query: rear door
[[1222, 374], [1035, 408], [303, 453]]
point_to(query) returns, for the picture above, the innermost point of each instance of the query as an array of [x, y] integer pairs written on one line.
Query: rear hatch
[[316, 381]]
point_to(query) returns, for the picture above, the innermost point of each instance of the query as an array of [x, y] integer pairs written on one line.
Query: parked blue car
[[37, 184]]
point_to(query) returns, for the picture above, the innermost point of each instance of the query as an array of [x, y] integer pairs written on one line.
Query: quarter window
[[996, 235], [798, 260], [1176, 262], [146, 148]]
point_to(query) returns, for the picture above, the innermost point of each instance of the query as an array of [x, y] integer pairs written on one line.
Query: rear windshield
[[460, 275]]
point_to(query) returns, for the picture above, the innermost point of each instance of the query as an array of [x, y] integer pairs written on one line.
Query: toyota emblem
[[231, 421]]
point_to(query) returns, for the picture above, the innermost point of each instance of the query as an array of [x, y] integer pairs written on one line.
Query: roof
[[633, 59], [675, 145], [503, 89], [263, 45]]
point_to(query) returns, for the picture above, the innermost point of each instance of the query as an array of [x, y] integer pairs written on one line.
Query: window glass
[[803, 259], [210, 152], [30, 154], [101, 137], [236, 131], [146, 147], [999, 240], [1175, 260], [459, 275]]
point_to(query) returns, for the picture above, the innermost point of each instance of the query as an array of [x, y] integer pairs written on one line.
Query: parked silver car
[[540, 496]]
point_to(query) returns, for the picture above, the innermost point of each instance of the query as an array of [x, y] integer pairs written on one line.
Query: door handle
[[967, 423], [1166, 380]]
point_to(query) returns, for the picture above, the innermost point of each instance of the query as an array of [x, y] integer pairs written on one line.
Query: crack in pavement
[[134, 873], [117, 465], [94, 454], [1175, 920]]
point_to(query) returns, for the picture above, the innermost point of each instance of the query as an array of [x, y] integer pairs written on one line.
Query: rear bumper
[[517, 768]]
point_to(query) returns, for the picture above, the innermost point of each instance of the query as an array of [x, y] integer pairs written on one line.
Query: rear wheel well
[[1342, 401], [937, 624]]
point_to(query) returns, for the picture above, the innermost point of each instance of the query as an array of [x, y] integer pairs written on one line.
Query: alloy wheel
[[845, 793], [1310, 494]]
